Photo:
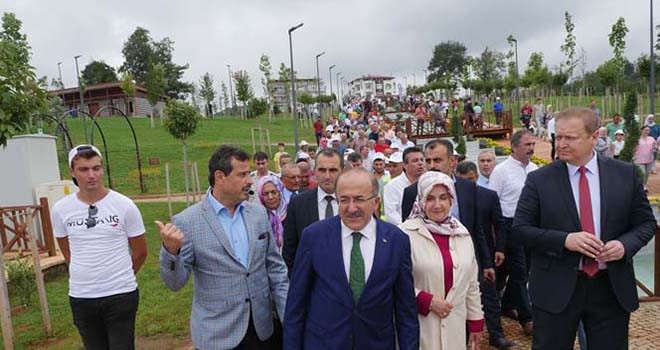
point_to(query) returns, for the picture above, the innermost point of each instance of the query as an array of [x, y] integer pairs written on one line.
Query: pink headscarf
[[275, 216], [450, 226]]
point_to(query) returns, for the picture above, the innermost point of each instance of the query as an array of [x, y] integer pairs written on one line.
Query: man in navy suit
[[352, 284], [310, 206], [583, 218]]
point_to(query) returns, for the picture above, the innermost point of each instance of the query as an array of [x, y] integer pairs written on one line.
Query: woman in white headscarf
[[444, 268]]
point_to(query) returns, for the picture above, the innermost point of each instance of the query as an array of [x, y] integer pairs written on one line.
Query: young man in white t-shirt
[[102, 237]]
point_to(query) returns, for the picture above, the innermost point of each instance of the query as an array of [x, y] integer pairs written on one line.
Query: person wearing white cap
[[102, 237], [618, 143], [302, 152], [395, 164]]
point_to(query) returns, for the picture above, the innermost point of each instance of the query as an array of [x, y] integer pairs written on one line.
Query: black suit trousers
[[593, 302]]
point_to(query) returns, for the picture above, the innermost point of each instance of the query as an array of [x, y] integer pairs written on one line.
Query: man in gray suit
[[226, 242]]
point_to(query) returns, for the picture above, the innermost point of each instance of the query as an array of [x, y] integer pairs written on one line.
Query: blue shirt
[[483, 181], [498, 107], [234, 228]]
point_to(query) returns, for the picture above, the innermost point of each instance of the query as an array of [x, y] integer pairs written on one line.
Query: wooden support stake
[[5, 309], [36, 261], [199, 190], [169, 193]]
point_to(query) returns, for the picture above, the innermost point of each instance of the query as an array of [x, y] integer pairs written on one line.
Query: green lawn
[[161, 311], [157, 143]]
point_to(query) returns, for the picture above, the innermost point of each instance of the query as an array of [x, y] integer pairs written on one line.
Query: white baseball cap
[[82, 148], [379, 156], [303, 143], [396, 157]]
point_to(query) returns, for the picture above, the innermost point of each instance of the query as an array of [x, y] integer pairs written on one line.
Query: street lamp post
[[293, 91], [652, 60], [330, 76], [82, 99], [341, 104], [231, 93], [318, 78], [515, 44], [59, 70], [414, 80]]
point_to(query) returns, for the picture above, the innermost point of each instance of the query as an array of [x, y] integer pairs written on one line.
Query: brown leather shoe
[[528, 328]]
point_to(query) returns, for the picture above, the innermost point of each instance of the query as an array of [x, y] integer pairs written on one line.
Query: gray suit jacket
[[224, 290]]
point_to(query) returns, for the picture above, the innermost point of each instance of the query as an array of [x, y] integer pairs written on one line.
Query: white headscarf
[[449, 226]]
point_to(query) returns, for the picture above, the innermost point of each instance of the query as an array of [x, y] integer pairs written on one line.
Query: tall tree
[[448, 62], [568, 47], [243, 89], [141, 52], [155, 87], [97, 72], [207, 93], [225, 95], [265, 68], [617, 38], [21, 94], [181, 123], [489, 67]]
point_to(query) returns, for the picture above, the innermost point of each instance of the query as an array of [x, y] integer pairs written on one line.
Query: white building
[[281, 91], [373, 86]]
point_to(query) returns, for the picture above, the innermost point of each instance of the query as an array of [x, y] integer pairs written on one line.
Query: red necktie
[[589, 265]]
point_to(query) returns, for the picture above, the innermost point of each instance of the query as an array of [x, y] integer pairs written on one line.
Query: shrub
[[22, 279]]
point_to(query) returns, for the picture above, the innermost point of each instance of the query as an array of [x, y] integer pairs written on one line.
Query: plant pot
[[499, 151], [483, 144]]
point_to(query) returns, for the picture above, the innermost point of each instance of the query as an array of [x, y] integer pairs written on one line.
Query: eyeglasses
[[91, 220], [357, 200]]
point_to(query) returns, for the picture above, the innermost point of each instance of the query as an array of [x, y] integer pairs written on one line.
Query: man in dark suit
[[439, 156], [352, 284], [583, 218], [494, 228], [310, 206]]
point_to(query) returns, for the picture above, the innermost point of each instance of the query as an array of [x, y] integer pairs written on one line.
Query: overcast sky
[[358, 36]]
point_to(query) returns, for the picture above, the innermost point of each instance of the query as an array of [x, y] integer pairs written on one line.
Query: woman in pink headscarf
[[269, 190], [444, 268]]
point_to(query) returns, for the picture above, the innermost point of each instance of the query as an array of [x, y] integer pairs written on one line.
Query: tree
[[181, 123], [97, 72], [141, 52], [243, 89], [448, 62], [155, 87], [489, 68], [307, 100], [568, 48], [207, 92], [21, 94], [632, 128], [265, 68], [617, 39], [457, 134], [225, 95], [127, 85], [537, 74]]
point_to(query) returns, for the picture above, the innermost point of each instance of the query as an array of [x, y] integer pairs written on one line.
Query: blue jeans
[[106, 323]]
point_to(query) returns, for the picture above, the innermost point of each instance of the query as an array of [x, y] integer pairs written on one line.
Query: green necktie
[[356, 272]]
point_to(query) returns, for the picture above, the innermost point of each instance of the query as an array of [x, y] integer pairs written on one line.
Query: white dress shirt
[[393, 196], [367, 247], [508, 179], [593, 178], [322, 203]]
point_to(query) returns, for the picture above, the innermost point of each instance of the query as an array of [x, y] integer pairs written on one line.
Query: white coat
[[428, 272]]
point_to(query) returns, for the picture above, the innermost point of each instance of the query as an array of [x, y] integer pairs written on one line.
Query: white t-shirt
[[100, 261]]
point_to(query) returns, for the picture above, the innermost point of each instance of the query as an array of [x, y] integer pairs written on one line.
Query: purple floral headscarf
[[275, 216]]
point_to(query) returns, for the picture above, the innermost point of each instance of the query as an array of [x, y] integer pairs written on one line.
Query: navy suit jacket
[[491, 220], [466, 191], [546, 214], [320, 310], [303, 210]]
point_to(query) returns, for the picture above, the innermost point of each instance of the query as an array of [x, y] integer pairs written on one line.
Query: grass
[[156, 143], [161, 311]]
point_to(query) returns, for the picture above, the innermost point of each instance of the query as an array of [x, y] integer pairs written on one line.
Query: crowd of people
[[369, 241]]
